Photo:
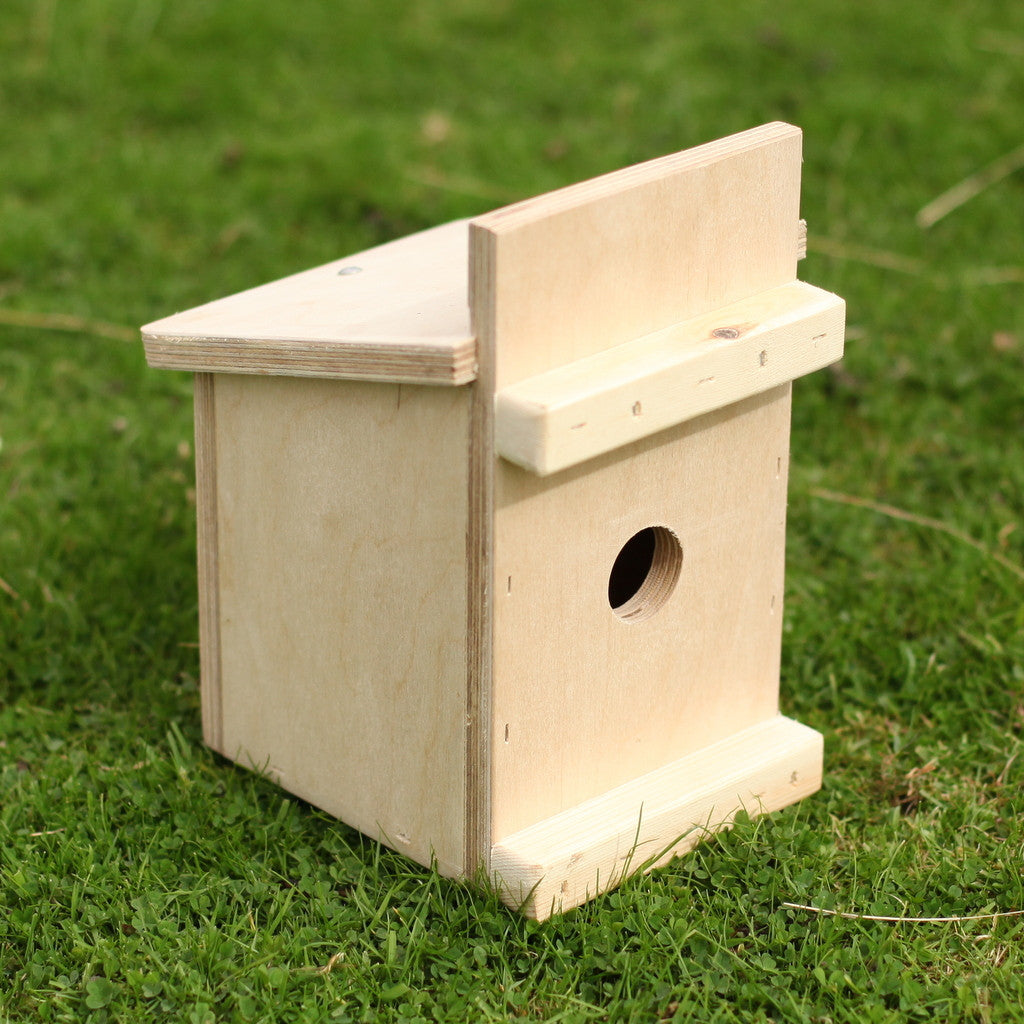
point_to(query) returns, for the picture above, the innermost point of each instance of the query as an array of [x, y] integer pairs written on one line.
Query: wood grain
[[480, 575], [398, 312], [207, 553], [583, 701], [342, 565], [619, 257]]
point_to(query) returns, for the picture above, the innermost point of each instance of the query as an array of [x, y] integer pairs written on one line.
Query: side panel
[[586, 700], [341, 563]]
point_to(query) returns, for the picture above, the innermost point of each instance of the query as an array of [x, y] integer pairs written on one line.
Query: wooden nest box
[[492, 522]]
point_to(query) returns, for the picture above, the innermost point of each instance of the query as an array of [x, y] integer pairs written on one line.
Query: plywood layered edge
[[446, 363], [568, 859], [575, 412]]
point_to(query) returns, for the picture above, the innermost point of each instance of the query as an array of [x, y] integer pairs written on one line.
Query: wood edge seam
[[439, 365], [208, 556]]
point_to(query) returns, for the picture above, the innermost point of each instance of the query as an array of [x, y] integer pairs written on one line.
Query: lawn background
[[155, 155]]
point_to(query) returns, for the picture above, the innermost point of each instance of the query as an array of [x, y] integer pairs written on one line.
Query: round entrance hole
[[645, 573]]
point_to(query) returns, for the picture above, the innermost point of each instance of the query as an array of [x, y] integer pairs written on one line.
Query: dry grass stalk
[[910, 517], [904, 920], [64, 322], [971, 186]]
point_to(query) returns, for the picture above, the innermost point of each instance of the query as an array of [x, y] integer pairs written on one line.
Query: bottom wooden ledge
[[567, 859]]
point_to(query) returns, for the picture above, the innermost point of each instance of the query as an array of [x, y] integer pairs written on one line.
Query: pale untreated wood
[[423, 638], [342, 320], [342, 596], [480, 575], [582, 700], [567, 859], [398, 312], [633, 390], [479, 625], [600, 263], [206, 549]]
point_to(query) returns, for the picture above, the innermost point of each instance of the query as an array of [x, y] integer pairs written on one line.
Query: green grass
[[155, 155]]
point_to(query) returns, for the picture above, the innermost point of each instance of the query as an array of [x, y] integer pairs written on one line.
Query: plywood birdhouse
[[492, 522]]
